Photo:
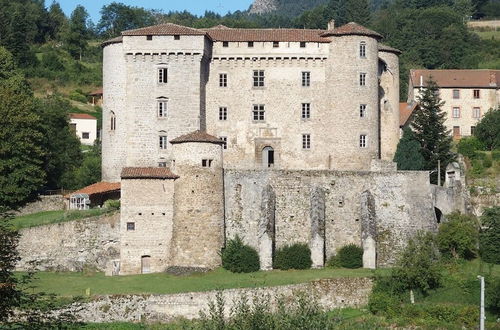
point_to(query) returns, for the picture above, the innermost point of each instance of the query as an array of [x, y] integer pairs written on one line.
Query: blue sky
[[197, 7]]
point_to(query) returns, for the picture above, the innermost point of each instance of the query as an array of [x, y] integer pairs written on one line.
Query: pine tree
[[429, 129], [76, 34], [358, 11], [408, 156]]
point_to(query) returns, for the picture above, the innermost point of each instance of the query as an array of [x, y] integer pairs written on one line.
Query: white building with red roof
[[85, 127]]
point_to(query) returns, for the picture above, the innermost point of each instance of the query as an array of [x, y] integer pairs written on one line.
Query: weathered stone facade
[[43, 203]]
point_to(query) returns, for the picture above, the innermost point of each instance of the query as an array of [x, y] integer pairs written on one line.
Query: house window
[[250, 44], [162, 75], [113, 122], [222, 113], [476, 113], [362, 141], [306, 141], [362, 49], [85, 135], [177, 37], [302, 44], [276, 44], [223, 80], [163, 142], [472, 130], [224, 139], [225, 44], [162, 164], [258, 112], [456, 112], [362, 79], [206, 162], [306, 79], [130, 226], [477, 94], [362, 110], [258, 78], [149, 37], [306, 110], [162, 109], [456, 93]]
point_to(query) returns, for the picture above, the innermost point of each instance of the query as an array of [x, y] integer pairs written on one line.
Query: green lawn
[[49, 217], [488, 34], [75, 284]]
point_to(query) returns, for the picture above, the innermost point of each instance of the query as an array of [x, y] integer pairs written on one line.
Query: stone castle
[[279, 136]]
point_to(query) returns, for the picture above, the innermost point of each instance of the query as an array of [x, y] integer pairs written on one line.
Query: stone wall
[[331, 293], [71, 246], [43, 203]]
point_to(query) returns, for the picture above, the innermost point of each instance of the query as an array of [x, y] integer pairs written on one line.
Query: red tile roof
[[116, 40], [147, 173], [352, 29], [97, 188], [405, 112], [269, 35], [165, 29], [458, 78], [197, 136], [389, 49], [81, 116], [96, 92]]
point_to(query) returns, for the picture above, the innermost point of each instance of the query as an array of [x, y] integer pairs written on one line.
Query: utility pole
[[481, 316]]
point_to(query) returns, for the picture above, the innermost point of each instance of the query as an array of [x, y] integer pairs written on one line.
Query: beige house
[[85, 127], [468, 95]]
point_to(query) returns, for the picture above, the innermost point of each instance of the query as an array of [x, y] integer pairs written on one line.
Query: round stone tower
[[198, 225]]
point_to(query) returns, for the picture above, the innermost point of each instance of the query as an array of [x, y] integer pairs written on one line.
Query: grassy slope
[[49, 217]]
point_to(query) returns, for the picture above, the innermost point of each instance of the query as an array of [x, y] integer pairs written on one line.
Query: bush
[[493, 295], [487, 162], [112, 204], [477, 167], [383, 303], [467, 146], [76, 96], [349, 256], [296, 256], [458, 238], [495, 154], [239, 258], [489, 236], [479, 155]]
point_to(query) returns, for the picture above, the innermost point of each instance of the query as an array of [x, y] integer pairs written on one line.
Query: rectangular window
[[162, 109], [477, 94], [85, 135], [362, 79], [302, 44], [472, 130], [476, 113], [163, 142], [224, 138], [276, 44], [362, 141], [362, 50], [113, 123], [258, 78], [225, 44], [456, 93], [306, 141], [223, 80], [456, 112], [206, 162], [149, 37], [162, 75], [306, 79], [222, 113], [250, 44], [258, 112], [130, 226], [362, 110], [162, 164], [306, 110], [177, 37]]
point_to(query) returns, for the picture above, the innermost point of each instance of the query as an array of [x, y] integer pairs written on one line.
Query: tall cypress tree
[[429, 129], [408, 156]]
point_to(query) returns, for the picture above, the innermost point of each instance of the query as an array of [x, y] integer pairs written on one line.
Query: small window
[[456, 93], [163, 142], [276, 44], [472, 130], [206, 162], [162, 75], [222, 113], [149, 37], [306, 141], [177, 37], [224, 138], [258, 78], [306, 79], [302, 44], [162, 109], [258, 112], [362, 79], [250, 44], [362, 141], [306, 110], [85, 135], [130, 226], [112, 122], [162, 164], [362, 49], [456, 112], [362, 110], [225, 44], [476, 113], [477, 94], [222, 79]]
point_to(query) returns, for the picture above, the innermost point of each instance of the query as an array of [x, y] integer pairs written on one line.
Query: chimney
[[331, 25]]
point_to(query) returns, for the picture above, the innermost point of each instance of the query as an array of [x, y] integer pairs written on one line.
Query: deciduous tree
[[488, 129]]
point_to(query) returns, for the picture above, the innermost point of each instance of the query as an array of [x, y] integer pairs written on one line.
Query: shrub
[[493, 295], [239, 258], [477, 167], [489, 236], [487, 162], [468, 146], [350, 256], [112, 204], [458, 238], [76, 96], [383, 303], [479, 155], [495, 154], [334, 262], [296, 256]]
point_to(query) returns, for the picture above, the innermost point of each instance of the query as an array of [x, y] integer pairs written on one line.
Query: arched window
[[112, 121], [362, 49]]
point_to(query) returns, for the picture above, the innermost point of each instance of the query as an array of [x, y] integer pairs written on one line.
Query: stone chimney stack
[[331, 25]]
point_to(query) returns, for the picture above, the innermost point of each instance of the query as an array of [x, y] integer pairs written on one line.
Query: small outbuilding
[[93, 196], [96, 97], [85, 127]]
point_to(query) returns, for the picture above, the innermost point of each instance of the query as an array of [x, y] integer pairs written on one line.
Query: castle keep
[[277, 135]]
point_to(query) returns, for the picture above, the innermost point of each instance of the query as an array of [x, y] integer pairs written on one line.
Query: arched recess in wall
[[268, 157], [439, 214]]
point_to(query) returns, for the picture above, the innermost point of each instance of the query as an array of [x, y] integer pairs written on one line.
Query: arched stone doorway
[[268, 157]]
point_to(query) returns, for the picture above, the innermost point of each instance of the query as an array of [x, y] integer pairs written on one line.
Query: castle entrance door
[[145, 264], [268, 157]]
